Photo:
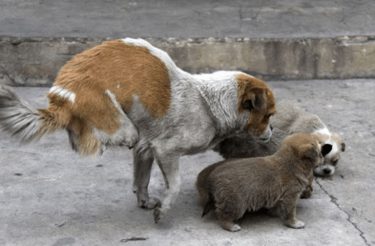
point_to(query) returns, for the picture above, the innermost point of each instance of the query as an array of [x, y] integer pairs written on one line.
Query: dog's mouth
[[263, 140]]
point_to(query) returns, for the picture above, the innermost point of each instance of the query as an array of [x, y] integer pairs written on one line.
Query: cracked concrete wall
[[35, 62]]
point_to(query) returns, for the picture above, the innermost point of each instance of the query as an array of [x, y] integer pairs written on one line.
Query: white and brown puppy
[[130, 92], [288, 119], [275, 182]]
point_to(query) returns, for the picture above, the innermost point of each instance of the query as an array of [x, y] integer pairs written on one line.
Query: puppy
[[288, 119], [232, 187], [128, 92]]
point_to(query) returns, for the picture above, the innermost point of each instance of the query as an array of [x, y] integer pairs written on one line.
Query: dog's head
[[332, 157], [307, 147], [257, 99]]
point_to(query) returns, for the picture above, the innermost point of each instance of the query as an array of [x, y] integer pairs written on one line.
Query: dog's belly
[[186, 129]]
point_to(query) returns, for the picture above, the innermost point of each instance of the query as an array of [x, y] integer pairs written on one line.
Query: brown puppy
[[233, 187]]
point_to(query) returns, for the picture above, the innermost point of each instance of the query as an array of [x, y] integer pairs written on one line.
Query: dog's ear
[[253, 98], [308, 151], [326, 148], [248, 105], [343, 146]]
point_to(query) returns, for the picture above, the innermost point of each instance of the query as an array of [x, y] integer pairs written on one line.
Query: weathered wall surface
[[36, 61]]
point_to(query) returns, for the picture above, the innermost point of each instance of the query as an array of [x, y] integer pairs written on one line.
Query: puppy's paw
[[235, 228], [230, 226], [296, 224], [306, 194]]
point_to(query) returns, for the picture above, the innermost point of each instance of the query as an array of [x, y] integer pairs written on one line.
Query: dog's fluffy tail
[[25, 123]]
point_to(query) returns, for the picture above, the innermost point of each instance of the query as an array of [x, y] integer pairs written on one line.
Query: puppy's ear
[[326, 148], [253, 98], [343, 146], [308, 151]]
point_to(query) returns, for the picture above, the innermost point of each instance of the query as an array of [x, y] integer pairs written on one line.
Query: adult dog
[[132, 93]]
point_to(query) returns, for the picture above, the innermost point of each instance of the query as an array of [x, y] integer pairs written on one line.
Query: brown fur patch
[[126, 71], [256, 90]]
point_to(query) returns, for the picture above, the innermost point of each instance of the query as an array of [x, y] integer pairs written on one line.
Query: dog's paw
[[149, 203], [296, 224], [158, 214]]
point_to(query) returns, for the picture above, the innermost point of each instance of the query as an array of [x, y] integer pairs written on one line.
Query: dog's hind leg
[[127, 133], [169, 166], [143, 159]]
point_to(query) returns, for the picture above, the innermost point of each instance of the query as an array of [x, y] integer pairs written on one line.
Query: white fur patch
[[62, 92], [173, 70], [335, 148], [324, 131]]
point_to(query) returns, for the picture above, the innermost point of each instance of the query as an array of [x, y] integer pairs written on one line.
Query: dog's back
[[292, 119], [221, 180]]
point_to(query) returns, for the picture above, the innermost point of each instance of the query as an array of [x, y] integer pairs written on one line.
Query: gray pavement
[[51, 196], [194, 18]]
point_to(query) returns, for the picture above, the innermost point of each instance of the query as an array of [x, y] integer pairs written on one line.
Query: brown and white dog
[[128, 92], [274, 182], [288, 119]]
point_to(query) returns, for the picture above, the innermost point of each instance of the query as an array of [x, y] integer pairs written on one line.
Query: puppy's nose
[[327, 171]]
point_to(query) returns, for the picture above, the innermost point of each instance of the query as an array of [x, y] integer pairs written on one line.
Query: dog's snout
[[327, 171], [266, 136]]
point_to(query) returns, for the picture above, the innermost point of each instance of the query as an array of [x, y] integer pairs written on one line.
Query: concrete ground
[[187, 19], [51, 196]]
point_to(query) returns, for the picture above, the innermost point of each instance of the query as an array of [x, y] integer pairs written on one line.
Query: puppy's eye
[[334, 162]]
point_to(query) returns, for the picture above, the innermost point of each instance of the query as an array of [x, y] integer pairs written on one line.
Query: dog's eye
[[334, 162]]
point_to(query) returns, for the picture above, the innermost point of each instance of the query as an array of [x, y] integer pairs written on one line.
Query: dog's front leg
[[143, 159], [169, 167]]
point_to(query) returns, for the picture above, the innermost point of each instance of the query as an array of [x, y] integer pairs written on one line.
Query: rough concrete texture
[[36, 61], [194, 18], [290, 39], [51, 196]]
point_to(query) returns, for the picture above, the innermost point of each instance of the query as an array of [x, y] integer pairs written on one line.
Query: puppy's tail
[[210, 204], [203, 187], [25, 123]]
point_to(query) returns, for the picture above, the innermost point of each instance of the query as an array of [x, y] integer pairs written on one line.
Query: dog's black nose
[[327, 171]]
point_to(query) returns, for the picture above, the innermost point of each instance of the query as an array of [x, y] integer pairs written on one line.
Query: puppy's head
[[332, 157], [306, 147], [256, 98]]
